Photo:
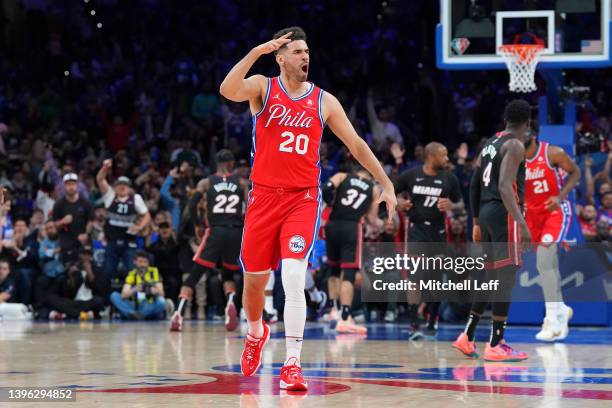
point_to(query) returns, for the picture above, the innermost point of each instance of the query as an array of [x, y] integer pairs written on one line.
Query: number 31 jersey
[[286, 138], [542, 180], [353, 199]]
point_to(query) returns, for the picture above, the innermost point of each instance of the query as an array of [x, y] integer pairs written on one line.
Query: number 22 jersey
[[286, 138]]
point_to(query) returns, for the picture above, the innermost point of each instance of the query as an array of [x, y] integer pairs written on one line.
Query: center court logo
[[297, 244]]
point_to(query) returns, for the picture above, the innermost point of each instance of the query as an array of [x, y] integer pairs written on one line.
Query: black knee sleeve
[[197, 271], [227, 275], [479, 307], [348, 275]]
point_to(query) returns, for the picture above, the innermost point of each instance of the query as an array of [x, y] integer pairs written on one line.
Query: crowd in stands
[[130, 113]]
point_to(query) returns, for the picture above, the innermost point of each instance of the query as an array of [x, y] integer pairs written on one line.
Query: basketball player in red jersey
[[548, 215], [282, 214]]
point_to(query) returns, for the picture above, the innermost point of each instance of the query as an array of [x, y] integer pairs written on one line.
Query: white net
[[521, 60]]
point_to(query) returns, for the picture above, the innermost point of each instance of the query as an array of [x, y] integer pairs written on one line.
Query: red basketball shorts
[[279, 224], [548, 227]]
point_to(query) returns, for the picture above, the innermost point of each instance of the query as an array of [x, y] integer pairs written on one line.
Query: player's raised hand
[[107, 164], [388, 196], [397, 152], [274, 45]]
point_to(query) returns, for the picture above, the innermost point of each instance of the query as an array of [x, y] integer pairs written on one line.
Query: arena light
[[92, 12]]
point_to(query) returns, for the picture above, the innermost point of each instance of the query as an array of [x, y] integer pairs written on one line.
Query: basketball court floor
[[144, 365]]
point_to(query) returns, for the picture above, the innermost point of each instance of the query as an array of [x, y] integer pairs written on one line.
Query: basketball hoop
[[521, 60]]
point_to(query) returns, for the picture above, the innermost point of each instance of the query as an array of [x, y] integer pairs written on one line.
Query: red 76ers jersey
[[542, 180], [286, 138]]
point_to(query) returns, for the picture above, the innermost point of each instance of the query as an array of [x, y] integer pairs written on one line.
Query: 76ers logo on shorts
[[297, 244]]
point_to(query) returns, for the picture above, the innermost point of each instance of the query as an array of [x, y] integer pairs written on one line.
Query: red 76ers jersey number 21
[[286, 138]]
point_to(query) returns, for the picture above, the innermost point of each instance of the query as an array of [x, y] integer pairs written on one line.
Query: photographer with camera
[[142, 295], [79, 292]]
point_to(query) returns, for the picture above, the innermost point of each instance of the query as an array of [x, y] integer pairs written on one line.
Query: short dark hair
[[224, 156], [298, 34], [517, 112], [141, 254]]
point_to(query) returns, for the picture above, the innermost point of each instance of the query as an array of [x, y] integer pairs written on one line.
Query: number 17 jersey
[[286, 138]]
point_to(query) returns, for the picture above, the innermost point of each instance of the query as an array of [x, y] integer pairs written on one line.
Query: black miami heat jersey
[[490, 169], [224, 201], [353, 199], [424, 191]]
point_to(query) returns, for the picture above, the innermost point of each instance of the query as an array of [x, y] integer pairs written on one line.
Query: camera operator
[[79, 292], [142, 295]]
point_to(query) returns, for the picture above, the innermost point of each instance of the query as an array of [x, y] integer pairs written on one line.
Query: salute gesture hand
[[273, 45]]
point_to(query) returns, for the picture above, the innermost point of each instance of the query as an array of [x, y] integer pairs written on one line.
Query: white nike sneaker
[[564, 317], [550, 330]]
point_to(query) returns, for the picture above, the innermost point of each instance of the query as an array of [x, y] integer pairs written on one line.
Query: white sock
[[256, 329], [552, 309], [293, 275], [315, 295], [269, 305], [294, 349]]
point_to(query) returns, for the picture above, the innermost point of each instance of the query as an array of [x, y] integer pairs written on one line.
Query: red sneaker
[[231, 316], [464, 345], [176, 323], [251, 355], [291, 377]]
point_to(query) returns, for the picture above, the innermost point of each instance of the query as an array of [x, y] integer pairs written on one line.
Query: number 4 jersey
[[490, 163], [286, 138]]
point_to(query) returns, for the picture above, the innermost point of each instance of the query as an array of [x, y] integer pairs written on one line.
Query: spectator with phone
[[22, 251], [8, 292]]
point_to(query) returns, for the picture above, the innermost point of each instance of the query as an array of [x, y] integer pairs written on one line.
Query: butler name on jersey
[[286, 138]]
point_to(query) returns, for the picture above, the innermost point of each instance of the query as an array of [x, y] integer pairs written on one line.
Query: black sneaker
[[430, 333], [414, 332]]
